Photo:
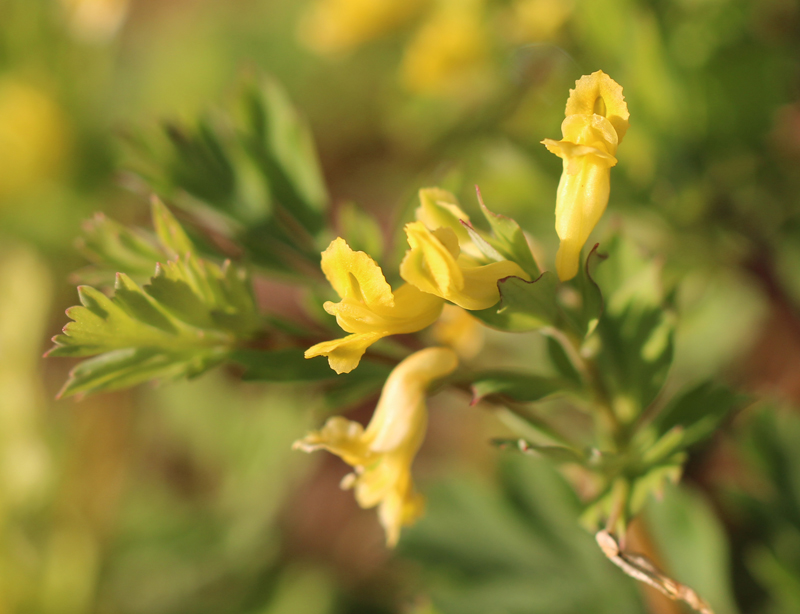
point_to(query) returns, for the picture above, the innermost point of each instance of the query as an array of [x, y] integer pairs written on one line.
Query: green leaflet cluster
[[188, 317]]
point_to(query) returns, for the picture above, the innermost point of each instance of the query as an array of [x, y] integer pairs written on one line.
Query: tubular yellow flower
[[596, 120], [449, 52], [33, 138], [336, 26], [435, 265], [368, 309], [382, 453]]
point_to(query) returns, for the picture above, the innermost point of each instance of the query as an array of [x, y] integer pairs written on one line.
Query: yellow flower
[[596, 120], [336, 26], [33, 138], [368, 309], [449, 52], [382, 453], [435, 265], [538, 20]]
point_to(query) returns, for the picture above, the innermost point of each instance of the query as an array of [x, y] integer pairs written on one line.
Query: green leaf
[[557, 454], [509, 239], [561, 361], [281, 145], [112, 248], [693, 544], [513, 546], [190, 316], [585, 314], [524, 305], [521, 387], [636, 354], [169, 231], [697, 411], [286, 365]]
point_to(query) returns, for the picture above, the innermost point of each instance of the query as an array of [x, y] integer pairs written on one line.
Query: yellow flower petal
[[368, 308], [439, 209], [599, 94], [382, 453], [344, 354], [433, 265], [457, 329], [354, 275]]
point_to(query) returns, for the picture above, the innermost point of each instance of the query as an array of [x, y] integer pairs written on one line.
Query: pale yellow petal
[[429, 264], [342, 437], [400, 416], [355, 275], [344, 354], [600, 94]]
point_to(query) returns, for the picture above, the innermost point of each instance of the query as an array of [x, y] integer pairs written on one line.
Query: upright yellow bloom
[[33, 138], [336, 26], [435, 265], [596, 120], [449, 52], [368, 309], [382, 454]]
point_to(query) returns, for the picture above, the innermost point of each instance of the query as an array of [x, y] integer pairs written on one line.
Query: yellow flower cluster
[[596, 120], [450, 50], [445, 264], [441, 265]]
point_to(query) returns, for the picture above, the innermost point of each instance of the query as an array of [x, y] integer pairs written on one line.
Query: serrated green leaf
[[112, 248], [509, 240], [523, 387], [524, 305], [190, 316], [169, 231]]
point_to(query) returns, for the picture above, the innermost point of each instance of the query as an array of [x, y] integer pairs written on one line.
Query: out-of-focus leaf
[[693, 545], [361, 229], [287, 365], [515, 549], [190, 317], [584, 316], [557, 454], [523, 387], [282, 147], [698, 411], [561, 361], [524, 305]]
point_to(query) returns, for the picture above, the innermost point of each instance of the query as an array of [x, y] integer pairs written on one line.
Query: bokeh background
[[186, 497]]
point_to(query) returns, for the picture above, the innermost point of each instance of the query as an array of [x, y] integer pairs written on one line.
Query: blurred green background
[[186, 498]]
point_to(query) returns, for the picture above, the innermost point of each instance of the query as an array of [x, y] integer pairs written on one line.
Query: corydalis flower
[[381, 454], [435, 265], [597, 119], [369, 309]]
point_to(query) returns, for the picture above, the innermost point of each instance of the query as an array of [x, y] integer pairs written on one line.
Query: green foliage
[[515, 549], [509, 240], [189, 317], [254, 166], [523, 387], [524, 305]]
